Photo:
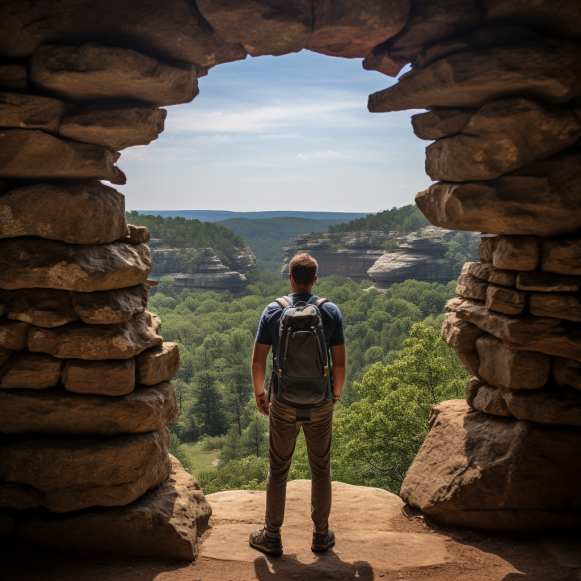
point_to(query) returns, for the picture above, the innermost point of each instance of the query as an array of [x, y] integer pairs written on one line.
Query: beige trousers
[[284, 430]]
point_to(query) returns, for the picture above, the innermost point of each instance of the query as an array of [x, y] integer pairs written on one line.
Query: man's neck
[[302, 290]]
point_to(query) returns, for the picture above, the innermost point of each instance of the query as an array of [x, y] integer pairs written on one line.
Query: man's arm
[[339, 357], [259, 356]]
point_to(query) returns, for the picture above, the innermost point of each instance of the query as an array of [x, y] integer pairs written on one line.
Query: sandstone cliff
[[385, 258]]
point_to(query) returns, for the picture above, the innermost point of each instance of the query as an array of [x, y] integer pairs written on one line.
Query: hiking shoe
[[260, 541], [323, 541]]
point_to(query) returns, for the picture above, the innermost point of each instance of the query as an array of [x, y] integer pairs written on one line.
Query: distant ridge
[[217, 215]]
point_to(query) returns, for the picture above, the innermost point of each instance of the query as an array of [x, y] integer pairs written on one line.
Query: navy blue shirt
[[268, 327]]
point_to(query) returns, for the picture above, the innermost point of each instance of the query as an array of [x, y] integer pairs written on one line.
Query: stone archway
[[81, 80]]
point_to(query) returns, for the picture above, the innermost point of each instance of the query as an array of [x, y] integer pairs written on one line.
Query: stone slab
[[505, 300], [562, 256], [441, 123], [79, 267], [490, 273], [68, 474], [42, 307], [98, 342], [471, 287], [488, 399], [109, 377], [157, 364], [30, 371], [547, 282], [566, 372], [56, 411], [77, 212], [13, 78], [165, 523], [136, 235], [22, 111], [13, 334], [516, 252]]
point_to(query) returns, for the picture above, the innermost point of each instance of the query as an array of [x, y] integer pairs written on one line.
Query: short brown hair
[[303, 268]]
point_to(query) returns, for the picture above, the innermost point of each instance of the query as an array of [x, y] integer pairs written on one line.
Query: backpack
[[301, 376]]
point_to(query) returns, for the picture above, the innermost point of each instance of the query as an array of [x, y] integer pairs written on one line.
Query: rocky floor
[[376, 539]]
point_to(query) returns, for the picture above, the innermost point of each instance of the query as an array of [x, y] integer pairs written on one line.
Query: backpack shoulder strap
[[320, 302], [284, 302]]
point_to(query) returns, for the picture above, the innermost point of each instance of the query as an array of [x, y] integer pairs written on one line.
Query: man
[[283, 421]]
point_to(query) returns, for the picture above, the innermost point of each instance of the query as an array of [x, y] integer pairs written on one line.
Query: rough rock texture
[[157, 364], [136, 235], [31, 112], [462, 336], [546, 70], [547, 282], [490, 273], [95, 73], [441, 123], [30, 371], [77, 212], [566, 372], [42, 307], [471, 287], [342, 28], [505, 300], [495, 474], [562, 256], [13, 334], [97, 342], [262, 27], [13, 78], [488, 399], [67, 474], [39, 155], [113, 127], [501, 137], [542, 199], [544, 406], [516, 252], [529, 333], [164, 523], [99, 377], [24, 263], [485, 249], [113, 306], [55, 411], [504, 367], [173, 30]]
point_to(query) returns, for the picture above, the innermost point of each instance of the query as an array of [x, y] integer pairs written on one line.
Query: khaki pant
[[284, 430]]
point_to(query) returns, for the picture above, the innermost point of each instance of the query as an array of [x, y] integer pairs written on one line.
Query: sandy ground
[[377, 539]]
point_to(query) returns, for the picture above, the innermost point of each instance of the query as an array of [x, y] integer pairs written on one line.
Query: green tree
[[208, 410]]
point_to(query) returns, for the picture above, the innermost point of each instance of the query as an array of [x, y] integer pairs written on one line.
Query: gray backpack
[[301, 375]]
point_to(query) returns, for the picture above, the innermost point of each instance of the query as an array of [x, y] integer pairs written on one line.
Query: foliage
[[462, 248], [405, 219], [244, 474]]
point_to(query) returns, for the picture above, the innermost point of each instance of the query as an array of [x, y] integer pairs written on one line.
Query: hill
[[217, 215], [405, 220]]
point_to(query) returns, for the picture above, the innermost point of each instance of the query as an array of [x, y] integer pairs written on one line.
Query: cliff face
[[385, 258], [201, 268]]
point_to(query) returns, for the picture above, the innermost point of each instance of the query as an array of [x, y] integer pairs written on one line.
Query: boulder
[[526, 332], [174, 30], [13, 78], [462, 336], [67, 474], [24, 263], [97, 342], [488, 399], [471, 287], [351, 30], [501, 137], [38, 155], [505, 300], [31, 112], [260, 26], [77, 212], [55, 411], [30, 371], [113, 127], [95, 73], [428, 22], [566, 372], [113, 306], [440, 123], [546, 70], [164, 523], [543, 199], [516, 252], [157, 364], [490, 273], [505, 367], [544, 406], [136, 235], [13, 334], [495, 474], [547, 282], [562, 256], [42, 307], [115, 377]]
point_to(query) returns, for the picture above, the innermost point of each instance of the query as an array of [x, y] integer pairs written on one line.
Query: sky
[[280, 133]]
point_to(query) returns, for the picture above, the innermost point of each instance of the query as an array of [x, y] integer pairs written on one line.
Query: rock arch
[[84, 392]]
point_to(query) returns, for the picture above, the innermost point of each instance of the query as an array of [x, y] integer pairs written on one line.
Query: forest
[[405, 219], [398, 368]]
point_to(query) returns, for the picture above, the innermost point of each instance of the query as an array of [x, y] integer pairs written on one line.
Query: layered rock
[[99, 377], [157, 364], [31, 112], [30, 371]]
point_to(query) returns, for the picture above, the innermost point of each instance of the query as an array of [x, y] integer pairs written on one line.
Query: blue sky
[[280, 133]]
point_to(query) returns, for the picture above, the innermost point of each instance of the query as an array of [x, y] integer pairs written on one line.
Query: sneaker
[[260, 541], [323, 541]]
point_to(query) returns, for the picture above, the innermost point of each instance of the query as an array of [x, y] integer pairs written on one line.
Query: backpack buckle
[[280, 372], [326, 370]]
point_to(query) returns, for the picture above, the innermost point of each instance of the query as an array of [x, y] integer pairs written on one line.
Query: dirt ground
[[377, 539]]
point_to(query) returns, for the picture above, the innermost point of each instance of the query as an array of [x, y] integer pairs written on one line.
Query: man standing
[[285, 421]]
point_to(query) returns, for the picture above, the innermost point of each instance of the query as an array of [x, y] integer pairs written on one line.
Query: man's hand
[[262, 403], [259, 356]]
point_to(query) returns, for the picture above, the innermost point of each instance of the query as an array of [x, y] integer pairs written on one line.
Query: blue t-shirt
[[268, 327]]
